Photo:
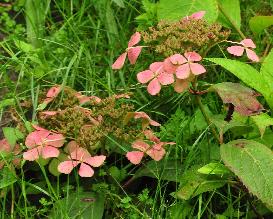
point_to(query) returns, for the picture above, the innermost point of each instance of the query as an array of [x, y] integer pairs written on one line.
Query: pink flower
[[52, 94], [245, 45], [156, 151], [157, 77], [42, 143], [195, 16], [85, 99], [189, 66], [173, 62], [146, 120], [81, 156], [6, 148], [132, 51]]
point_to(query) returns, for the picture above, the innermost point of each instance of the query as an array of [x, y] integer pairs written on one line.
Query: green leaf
[[176, 9], [12, 135], [53, 165], [262, 121], [6, 102], [267, 69], [214, 168], [252, 162], [232, 9], [248, 75], [169, 170], [7, 177], [194, 183], [119, 3], [258, 23], [85, 205]]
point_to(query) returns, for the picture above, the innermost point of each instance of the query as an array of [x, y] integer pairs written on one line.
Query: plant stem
[[231, 21]]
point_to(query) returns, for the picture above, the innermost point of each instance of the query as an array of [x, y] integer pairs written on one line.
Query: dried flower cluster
[[186, 35]]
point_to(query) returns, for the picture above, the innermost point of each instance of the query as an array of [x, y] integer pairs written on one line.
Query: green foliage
[[12, 135], [214, 168], [232, 9], [252, 162], [258, 23], [176, 9], [262, 121], [266, 69], [7, 177]]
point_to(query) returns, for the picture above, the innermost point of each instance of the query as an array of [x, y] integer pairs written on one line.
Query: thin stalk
[[12, 202], [231, 21]]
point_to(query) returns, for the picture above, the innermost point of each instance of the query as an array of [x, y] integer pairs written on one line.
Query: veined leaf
[[12, 135], [262, 121], [176, 9], [258, 23], [267, 69], [214, 168], [252, 162], [232, 9]]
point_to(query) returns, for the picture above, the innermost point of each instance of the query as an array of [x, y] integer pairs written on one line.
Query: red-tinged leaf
[[135, 157], [236, 50], [243, 98], [133, 54], [135, 39], [118, 64]]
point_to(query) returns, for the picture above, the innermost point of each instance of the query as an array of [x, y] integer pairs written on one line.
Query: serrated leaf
[[12, 135], [248, 75], [242, 98], [262, 121], [86, 205], [267, 69], [7, 177], [194, 183], [232, 9], [252, 162], [258, 23], [214, 168], [165, 170], [174, 10], [119, 3]]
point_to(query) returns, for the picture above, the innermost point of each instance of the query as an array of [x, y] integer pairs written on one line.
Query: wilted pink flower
[[81, 156], [180, 85], [157, 77], [245, 45], [85, 99], [189, 66], [146, 120], [195, 16], [132, 51], [156, 151], [52, 94], [6, 148], [42, 143]]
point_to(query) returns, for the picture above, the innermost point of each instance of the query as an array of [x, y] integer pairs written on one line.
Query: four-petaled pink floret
[[156, 76], [245, 45], [42, 143], [81, 156], [132, 51], [155, 150]]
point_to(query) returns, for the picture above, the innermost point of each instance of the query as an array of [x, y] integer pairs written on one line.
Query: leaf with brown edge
[[243, 98]]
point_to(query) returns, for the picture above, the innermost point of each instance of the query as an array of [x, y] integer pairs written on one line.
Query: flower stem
[[231, 21]]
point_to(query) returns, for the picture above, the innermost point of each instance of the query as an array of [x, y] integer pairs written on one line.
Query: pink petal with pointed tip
[[145, 76], [157, 67], [139, 115], [85, 170], [118, 64], [181, 85], [198, 15], [53, 92], [55, 140], [36, 138], [197, 69], [156, 154], [95, 161], [135, 38], [165, 78], [236, 50], [150, 135], [79, 154], [67, 166], [252, 55], [154, 123], [135, 157], [154, 87], [32, 154], [177, 59], [168, 66], [140, 145], [49, 151], [193, 56], [248, 43], [183, 71], [133, 54]]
